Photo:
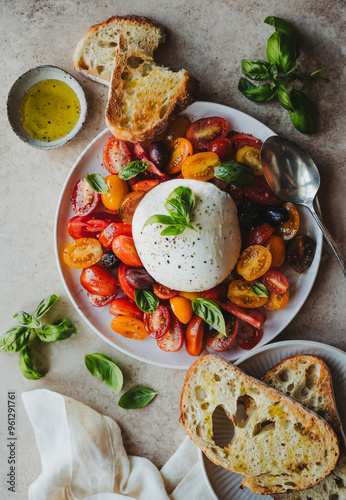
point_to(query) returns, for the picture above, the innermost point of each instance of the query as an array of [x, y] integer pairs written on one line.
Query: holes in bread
[[125, 122], [200, 394], [163, 110], [291, 483], [100, 69], [261, 427], [285, 375], [299, 427], [312, 375], [134, 62], [222, 427], [125, 75], [82, 64], [146, 69], [217, 377], [245, 407], [333, 496]]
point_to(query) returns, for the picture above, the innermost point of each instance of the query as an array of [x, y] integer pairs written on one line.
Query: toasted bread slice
[[143, 97], [308, 380], [95, 53], [277, 443]]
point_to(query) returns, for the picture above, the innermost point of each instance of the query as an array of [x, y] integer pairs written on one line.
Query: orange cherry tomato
[[254, 262], [194, 336], [200, 166], [240, 293], [190, 295], [276, 301], [289, 229], [276, 246], [117, 189], [129, 204], [124, 248], [83, 252], [129, 327], [250, 156], [145, 185], [182, 309], [180, 149]]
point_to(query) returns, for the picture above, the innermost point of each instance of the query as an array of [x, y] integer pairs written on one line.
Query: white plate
[[90, 161], [223, 484]]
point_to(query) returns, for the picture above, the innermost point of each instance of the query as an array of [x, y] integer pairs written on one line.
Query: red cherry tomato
[[204, 131], [255, 317], [219, 292], [99, 281], [219, 342], [162, 292], [248, 336], [236, 192], [114, 229], [90, 226], [145, 185], [222, 147], [153, 172], [116, 155], [260, 192], [125, 307], [240, 140], [138, 151], [158, 322], [173, 340], [276, 282], [194, 336], [259, 235], [124, 248], [126, 287], [84, 198], [99, 300]]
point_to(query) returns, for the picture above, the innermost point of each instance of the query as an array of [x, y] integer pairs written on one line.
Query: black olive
[[248, 214], [275, 214], [139, 278], [109, 260], [158, 153], [300, 253]]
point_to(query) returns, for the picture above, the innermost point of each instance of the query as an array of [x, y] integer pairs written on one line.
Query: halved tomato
[[177, 128], [99, 300], [219, 342], [240, 140], [250, 156], [84, 198], [126, 287], [90, 226], [277, 248], [83, 252], [99, 281], [289, 229], [276, 282], [180, 149], [138, 151], [162, 292], [200, 166], [153, 172], [116, 155], [129, 327], [255, 317], [125, 307], [129, 204], [124, 248], [112, 231], [158, 322], [260, 192], [254, 262], [205, 130], [145, 185], [117, 189], [194, 336], [240, 293], [222, 147], [173, 340], [259, 235], [248, 336], [276, 301], [219, 292]]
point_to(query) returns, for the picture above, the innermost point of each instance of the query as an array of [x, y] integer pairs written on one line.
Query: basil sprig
[[146, 301], [97, 183], [284, 79], [132, 169], [104, 368], [234, 172], [210, 312], [137, 397], [259, 289], [18, 339], [179, 205]]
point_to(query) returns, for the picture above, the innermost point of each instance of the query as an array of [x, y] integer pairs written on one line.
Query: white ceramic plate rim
[[290, 347], [181, 360]]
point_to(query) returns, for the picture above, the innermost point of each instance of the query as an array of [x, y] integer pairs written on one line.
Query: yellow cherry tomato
[[190, 295], [182, 309], [83, 252], [240, 293], [277, 302], [130, 327], [180, 149], [200, 166], [250, 156], [117, 189], [254, 262]]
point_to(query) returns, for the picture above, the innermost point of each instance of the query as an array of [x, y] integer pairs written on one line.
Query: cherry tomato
[[145, 185], [83, 252], [222, 185], [126, 287], [124, 248], [129, 204], [153, 172], [260, 192], [220, 342], [116, 155], [163, 292], [158, 322], [182, 308], [139, 278], [258, 235], [248, 336], [205, 130], [125, 307], [99, 281], [138, 151], [240, 140], [219, 292], [254, 262], [289, 229], [112, 231], [180, 149], [277, 301], [255, 317], [236, 192], [99, 300], [200, 166], [250, 156], [91, 225], [84, 198], [300, 253], [222, 147], [190, 295], [177, 128], [173, 340], [277, 248], [129, 327], [276, 282], [240, 293], [117, 189], [194, 336]]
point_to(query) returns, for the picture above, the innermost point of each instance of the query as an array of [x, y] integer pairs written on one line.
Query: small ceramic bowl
[[20, 88]]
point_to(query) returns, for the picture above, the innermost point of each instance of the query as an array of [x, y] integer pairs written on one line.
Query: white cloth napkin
[[83, 458]]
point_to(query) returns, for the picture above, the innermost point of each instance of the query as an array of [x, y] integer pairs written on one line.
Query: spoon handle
[[329, 238]]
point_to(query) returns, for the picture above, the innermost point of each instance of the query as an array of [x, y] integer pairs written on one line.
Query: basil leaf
[[97, 183], [159, 219], [210, 313], [256, 70], [104, 368], [284, 98], [301, 116], [136, 398], [23, 318], [176, 207], [146, 301], [173, 230], [60, 330], [263, 93], [282, 25], [15, 339], [26, 365], [132, 169], [260, 290], [185, 195], [281, 51], [235, 172], [45, 305]]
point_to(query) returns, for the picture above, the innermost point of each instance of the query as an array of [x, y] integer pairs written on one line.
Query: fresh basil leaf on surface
[[301, 116], [210, 312], [281, 51], [132, 169], [236, 173], [45, 305], [260, 290], [263, 93], [15, 339], [146, 301], [104, 368], [26, 319], [282, 25], [256, 70], [60, 330], [284, 98], [97, 183], [26, 365], [138, 397]]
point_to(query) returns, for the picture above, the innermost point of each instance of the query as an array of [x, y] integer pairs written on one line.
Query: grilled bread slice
[[95, 53], [307, 379], [277, 443]]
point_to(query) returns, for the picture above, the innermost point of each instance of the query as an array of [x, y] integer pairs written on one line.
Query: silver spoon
[[293, 176]]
